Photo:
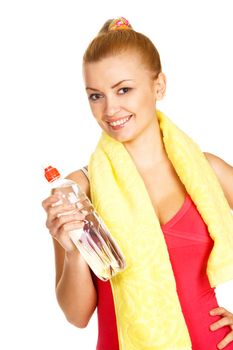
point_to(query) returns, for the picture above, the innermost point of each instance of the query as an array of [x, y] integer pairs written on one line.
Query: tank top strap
[[85, 171]]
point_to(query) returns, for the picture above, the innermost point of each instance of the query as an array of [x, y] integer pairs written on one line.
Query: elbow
[[78, 314], [79, 319], [78, 323]]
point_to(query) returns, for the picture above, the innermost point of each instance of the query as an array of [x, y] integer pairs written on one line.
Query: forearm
[[75, 291]]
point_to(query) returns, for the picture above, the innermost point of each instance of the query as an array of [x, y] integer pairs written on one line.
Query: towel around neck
[[147, 307]]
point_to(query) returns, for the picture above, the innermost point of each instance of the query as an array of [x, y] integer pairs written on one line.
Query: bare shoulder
[[81, 179], [224, 172]]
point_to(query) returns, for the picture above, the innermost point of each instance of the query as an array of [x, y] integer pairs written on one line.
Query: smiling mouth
[[120, 122]]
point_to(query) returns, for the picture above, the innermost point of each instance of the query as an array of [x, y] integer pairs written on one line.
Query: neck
[[147, 150]]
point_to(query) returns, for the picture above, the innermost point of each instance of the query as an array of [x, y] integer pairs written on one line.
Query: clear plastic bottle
[[94, 240]]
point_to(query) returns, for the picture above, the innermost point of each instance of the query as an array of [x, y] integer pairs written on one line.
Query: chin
[[122, 138]]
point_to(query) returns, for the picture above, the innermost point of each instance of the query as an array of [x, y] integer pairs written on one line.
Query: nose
[[112, 106]]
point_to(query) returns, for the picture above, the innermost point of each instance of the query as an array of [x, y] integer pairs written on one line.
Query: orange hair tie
[[119, 24]]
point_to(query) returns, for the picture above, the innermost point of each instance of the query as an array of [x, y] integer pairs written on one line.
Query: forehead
[[115, 68]]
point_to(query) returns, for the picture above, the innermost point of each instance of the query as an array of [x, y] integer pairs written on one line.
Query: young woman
[[141, 308]]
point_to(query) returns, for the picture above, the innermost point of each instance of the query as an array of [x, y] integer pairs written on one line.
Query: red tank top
[[189, 246]]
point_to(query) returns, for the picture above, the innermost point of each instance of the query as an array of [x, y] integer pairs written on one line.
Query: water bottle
[[93, 240]]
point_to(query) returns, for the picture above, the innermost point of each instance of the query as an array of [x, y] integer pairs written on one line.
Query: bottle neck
[[57, 178]]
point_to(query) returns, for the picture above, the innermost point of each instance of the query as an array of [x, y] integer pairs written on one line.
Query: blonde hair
[[113, 42]]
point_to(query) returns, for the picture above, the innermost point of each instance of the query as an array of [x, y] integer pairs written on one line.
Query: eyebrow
[[112, 87]]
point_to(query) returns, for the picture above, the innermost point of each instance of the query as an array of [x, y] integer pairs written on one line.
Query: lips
[[119, 123], [117, 119]]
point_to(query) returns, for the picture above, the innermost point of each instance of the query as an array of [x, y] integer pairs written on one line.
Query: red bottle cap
[[51, 173]]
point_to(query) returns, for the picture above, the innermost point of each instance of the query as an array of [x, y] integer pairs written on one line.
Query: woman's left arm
[[224, 172]]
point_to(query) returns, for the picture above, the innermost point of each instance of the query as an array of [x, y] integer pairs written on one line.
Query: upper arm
[[79, 177], [224, 172]]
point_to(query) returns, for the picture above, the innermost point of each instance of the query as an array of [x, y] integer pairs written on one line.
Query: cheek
[[150, 99], [144, 98], [98, 115], [144, 104]]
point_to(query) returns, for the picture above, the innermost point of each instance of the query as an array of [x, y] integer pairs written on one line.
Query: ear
[[160, 86]]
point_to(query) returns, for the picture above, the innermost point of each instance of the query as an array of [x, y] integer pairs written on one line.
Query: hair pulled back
[[113, 42]]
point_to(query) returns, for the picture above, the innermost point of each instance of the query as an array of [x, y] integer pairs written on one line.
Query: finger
[[218, 311], [46, 203], [65, 219], [62, 210], [228, 339], [54, 212], [225, 321], [68, 227]]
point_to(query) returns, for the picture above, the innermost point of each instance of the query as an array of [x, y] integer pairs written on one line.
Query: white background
[[45, 118]]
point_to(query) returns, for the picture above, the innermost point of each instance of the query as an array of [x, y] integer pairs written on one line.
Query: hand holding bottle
[[76, 218], [61, 219]]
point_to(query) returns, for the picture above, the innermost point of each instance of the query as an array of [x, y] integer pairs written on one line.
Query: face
[[122, 95]]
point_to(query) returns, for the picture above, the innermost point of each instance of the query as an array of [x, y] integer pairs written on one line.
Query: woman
[[124, 80]]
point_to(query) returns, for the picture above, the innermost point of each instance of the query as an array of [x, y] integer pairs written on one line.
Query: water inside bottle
[[94, 241], [99, 249]]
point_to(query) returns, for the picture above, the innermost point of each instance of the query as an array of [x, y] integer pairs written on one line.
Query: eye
[[94, 97], [125, 90]]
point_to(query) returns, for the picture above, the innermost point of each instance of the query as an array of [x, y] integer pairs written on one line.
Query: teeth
[[119, 122]]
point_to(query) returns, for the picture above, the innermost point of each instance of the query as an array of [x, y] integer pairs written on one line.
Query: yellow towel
[[148, 312]]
